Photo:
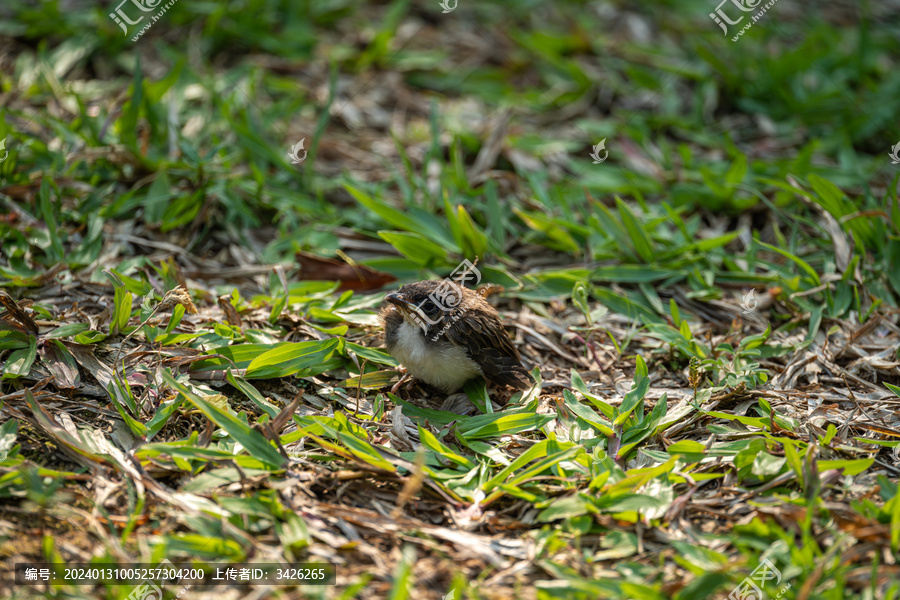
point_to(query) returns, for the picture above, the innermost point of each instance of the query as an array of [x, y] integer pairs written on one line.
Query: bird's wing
[[487, 343]]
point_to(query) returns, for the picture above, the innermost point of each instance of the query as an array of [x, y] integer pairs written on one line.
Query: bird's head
[[426, 303]]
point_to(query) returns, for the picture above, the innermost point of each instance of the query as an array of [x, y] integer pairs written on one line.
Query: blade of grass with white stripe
[[503, 423], [534, 470], [252, 441], [289, 359]]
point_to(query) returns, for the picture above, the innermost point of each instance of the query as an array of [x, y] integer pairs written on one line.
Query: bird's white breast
[[441, 364]]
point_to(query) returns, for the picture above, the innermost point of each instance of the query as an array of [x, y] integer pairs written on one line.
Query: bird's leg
[[404, 376]]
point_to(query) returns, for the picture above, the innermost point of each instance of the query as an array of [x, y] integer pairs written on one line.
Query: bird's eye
[[428, 306]]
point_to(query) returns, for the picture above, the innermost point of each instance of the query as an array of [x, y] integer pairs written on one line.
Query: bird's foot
[[406, 376]]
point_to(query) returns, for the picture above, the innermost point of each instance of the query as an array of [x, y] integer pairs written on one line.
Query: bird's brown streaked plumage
[[461, 343]]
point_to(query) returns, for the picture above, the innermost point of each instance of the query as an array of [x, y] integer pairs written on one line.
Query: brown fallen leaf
[[85, 357], [352, 276], [61, 364], [231, 313]]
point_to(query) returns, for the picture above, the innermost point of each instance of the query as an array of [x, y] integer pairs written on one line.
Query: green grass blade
[[252, 441]]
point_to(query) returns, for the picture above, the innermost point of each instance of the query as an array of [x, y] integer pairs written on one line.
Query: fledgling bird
[[445, 334]]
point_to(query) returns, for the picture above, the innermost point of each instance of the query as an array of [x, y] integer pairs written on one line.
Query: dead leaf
[[61, 364], [352, 277], [231, 313], [18, 313]]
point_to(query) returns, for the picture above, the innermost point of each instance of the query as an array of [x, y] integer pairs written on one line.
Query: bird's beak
[[398, 300], [408, 310]]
